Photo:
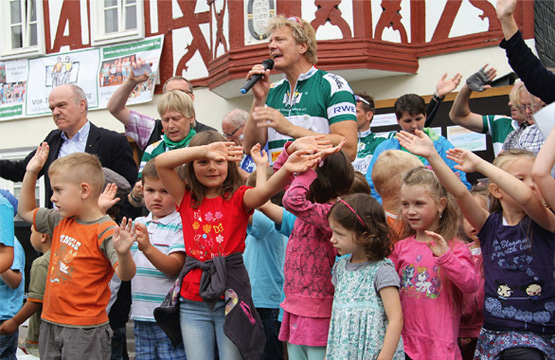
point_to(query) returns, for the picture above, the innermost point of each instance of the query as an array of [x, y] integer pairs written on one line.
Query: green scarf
[[432, 135], [178, 145]]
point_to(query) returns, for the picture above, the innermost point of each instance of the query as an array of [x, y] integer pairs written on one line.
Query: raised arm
[[539, 81], [117, 102], [515, 188], [260, 158], [298, 162], [27, 203], [542, 170], [443, 87], [505, 13], [421, 144], [168, 161], [122, 241], [460, 113]]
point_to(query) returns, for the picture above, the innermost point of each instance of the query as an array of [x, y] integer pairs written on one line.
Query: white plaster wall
[[210, 108]]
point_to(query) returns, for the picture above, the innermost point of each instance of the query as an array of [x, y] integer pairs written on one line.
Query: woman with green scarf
[[178, 116]]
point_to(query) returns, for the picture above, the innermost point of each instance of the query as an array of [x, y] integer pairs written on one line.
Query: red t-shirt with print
[[217, 227]]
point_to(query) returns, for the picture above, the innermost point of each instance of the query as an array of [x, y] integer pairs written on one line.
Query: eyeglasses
[[230, 135], [531, 107]]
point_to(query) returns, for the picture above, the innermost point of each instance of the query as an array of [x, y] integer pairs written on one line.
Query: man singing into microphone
[[307, 101]]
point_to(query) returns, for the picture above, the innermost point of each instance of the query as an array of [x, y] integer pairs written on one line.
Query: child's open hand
[[438, 245], [311, 144], [324, 152], [419, 144], [224, 151], [300, 161], [467, 160], [140, 232], [259, 157], [108, 197], [39, 159], [123, 238]]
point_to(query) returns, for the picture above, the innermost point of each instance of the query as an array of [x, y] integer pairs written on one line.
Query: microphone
[[268, 64]]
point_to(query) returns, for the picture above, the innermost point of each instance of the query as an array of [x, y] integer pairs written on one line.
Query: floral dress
[[358, 320]]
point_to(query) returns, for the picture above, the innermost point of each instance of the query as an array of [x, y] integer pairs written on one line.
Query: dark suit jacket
[[112, 149]]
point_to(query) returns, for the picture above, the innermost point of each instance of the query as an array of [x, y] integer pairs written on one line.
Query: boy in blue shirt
[[12, 283]]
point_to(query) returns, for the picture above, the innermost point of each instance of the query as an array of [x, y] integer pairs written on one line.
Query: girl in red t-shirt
[[215, 209]]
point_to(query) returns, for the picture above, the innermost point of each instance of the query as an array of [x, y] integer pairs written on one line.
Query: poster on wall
[[47, 72], [13, 80], [116, 64], [466, 139]]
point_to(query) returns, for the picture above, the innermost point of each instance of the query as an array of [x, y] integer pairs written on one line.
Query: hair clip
[[353, 211]]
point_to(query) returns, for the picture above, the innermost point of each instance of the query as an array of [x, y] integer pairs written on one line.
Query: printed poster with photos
[[13, 81], [49, 71], [116, 64], [25, 84]]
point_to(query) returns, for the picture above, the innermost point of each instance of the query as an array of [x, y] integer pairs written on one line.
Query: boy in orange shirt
[[86, 249], [389, 170]]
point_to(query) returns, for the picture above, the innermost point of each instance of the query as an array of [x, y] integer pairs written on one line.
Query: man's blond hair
[[176, 100], [80, 168], [389, 169], [303, 33]]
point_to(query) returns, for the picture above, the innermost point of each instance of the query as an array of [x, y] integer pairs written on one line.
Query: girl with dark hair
[[367, 319]]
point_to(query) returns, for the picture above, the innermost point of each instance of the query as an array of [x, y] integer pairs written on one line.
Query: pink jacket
[[431, 316], [309, 256]]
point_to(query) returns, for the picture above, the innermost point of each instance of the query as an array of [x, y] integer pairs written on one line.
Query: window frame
[[99, 37], [6, 51]]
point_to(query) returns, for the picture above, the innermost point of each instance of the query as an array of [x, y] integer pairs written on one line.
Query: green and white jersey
[[498, 127], [367, 144], [318, 100]]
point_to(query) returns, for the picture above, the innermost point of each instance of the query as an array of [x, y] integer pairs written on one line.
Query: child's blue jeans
[[8, 345], [203, 330]]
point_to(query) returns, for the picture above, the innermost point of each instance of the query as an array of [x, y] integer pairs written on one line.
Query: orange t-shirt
[[396, 224], [82, 262]]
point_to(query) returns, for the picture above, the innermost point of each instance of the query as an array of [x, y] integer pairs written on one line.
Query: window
[[22, 28], [116, 20]]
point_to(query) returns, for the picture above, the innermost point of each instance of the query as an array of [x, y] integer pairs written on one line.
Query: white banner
[[47, 72]]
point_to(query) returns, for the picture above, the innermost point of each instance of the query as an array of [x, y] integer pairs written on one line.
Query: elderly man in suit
[[76, 133]]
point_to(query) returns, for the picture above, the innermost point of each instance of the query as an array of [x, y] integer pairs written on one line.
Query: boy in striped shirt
[[159, 255]]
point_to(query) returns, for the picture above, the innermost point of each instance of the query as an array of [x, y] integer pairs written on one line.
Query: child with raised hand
[[85, 252], [309, 256], [264, 256], [367, 319], [215, 210], [434, 266], [517, 249]]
